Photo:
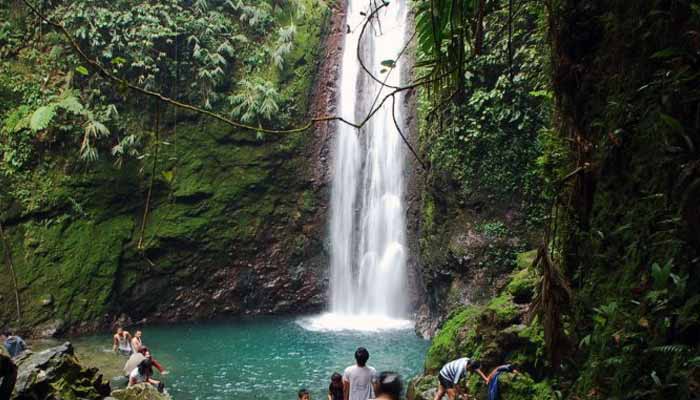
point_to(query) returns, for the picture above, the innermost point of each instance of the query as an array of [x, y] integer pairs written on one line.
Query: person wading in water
[[120, 342], [136, 342]]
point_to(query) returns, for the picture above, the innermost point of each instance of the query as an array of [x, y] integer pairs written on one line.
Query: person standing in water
[[303, 394], [136, 342], [359, 379], [120, 342], [451, 373]]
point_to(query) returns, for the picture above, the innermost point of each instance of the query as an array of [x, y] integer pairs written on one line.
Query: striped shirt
[[454, 370]]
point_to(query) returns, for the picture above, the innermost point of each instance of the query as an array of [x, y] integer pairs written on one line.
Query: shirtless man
[[136, 342], [120, 342]]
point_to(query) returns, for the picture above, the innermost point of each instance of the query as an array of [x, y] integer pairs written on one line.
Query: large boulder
[[57, 373], [142, 391]]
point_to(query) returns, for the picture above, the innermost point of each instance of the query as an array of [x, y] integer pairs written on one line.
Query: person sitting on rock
[[335, 389], [147, 353], [451, 373], [303, 394], [8, 374], [120, 342], [494, 393], [389, 386], [142, 374], [14, 344], [136, 341]]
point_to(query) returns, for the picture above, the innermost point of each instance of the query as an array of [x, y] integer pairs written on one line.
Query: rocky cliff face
[[468, 248], [235, 224]]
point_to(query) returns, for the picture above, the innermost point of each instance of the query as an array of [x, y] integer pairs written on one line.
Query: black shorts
[[445, 383]]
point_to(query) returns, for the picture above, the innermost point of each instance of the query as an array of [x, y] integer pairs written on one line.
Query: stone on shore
[[57, 373], [142, 391]]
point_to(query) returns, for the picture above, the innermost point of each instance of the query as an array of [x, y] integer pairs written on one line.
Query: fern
[[669, 349], [42, 117], [71, 104], [256, 101]]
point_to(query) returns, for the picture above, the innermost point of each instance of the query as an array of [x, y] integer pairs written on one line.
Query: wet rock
[[426, 323], [142, 391], [57, 373], [50, 329], [119, 382], [422, 388]]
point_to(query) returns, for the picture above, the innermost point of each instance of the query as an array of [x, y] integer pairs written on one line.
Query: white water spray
[[367, 228]]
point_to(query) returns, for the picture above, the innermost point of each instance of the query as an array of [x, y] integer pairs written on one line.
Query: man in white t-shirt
[[359, 380]]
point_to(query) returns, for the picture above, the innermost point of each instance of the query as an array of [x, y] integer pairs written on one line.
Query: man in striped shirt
[[451, 373]]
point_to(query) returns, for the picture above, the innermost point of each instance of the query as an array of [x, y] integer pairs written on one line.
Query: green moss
[[503, 307], [73, 263], [454, 340], [525, 259], [522, 286]]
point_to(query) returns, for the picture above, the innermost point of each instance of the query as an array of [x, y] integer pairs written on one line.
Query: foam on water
[[333, 322]]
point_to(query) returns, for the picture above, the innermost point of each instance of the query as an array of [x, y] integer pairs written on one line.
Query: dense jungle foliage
[[607, 131], [570, 126]]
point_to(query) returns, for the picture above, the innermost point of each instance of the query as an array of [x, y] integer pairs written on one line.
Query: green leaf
[[71, 104], [667, 53], [671, 122], [42, 117], [168, 176], [388, 63], [82, 70]]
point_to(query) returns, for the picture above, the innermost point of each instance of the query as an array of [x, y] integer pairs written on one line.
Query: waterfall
[[367, 223]]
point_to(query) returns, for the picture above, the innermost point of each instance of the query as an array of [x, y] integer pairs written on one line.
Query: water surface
[[264, 357]]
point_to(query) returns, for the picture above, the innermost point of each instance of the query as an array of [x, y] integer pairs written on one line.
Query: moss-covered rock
[[422, 388], [494, 334], [56, 373], [142, 391]]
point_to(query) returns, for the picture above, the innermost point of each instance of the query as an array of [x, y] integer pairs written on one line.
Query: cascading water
[[367, 226]]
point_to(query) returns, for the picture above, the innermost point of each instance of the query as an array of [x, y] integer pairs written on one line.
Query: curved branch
[[96, 66], [398, 128], [359, 53]]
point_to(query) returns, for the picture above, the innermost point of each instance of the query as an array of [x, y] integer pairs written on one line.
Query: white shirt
[[134, 375], [360, 380]]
